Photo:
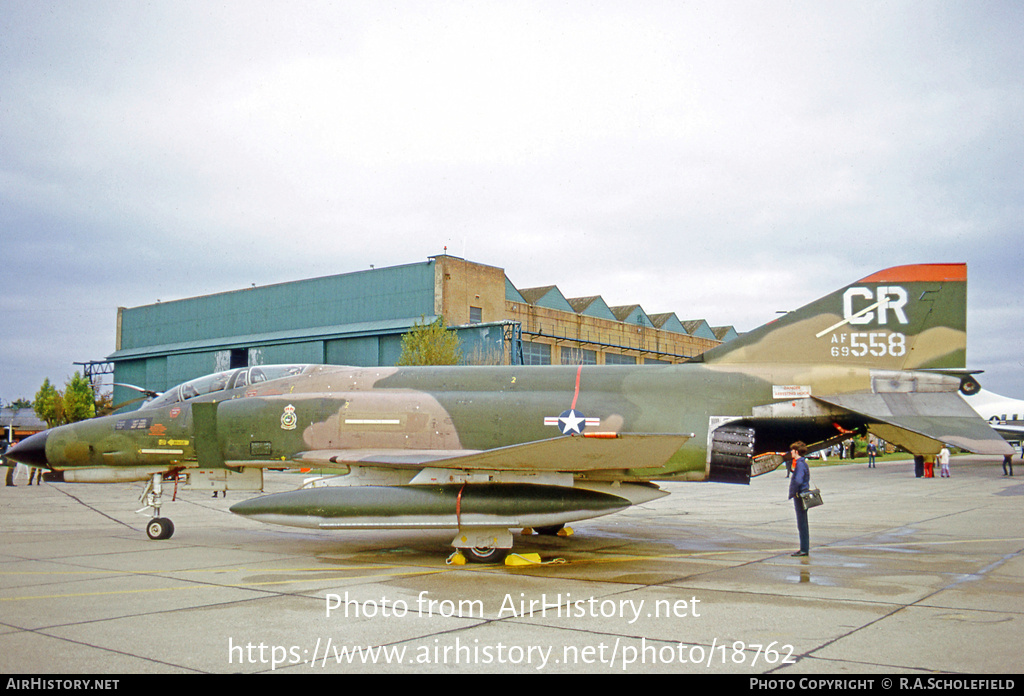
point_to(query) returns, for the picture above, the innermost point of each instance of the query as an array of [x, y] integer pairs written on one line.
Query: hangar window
[[536, 353], [476, 315], [616, 359], [578, 356]]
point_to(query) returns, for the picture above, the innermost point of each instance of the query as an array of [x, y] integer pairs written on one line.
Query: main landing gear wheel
[[160, 528], [484, 555], [484, 544]]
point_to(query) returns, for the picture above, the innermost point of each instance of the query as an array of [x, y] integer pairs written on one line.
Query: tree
[[79, 399], [430, 344], [48, 404], [75, 403]]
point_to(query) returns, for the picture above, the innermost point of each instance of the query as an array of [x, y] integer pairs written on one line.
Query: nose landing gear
[[158, 527]]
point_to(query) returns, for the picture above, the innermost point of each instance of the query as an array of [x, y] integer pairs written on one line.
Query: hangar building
[[18, 423], [359, 318]]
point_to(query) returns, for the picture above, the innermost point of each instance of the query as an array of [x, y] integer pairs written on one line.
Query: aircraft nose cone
[[31, 450]]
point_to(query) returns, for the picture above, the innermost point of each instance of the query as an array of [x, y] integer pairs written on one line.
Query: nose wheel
[[158, 527]]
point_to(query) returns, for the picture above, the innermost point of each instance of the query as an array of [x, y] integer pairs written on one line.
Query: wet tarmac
[[905, 575]]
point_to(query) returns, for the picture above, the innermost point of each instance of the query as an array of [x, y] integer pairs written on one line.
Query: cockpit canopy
[[223, 381]]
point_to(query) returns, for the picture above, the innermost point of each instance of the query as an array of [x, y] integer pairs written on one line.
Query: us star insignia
[[572, 422]]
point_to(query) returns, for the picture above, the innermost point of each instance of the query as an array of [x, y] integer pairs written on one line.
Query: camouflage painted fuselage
[[446, 409]]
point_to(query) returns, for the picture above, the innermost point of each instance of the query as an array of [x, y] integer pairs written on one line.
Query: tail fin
[[906, 317]]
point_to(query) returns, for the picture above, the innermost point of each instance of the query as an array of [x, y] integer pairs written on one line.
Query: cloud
[[719, 160]]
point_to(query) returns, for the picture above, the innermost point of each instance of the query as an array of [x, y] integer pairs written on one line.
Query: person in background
[[7, 463], [799, 483], [944, 462]]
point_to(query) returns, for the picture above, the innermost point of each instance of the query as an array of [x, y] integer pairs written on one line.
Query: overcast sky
[[719, 160]]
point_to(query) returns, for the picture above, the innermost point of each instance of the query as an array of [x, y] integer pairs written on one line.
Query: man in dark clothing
[[4, 462], [799, 483]]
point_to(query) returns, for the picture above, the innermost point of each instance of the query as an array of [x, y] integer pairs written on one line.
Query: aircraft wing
[[1001, 412], [910, 419], [1009, 432], [565, 454]]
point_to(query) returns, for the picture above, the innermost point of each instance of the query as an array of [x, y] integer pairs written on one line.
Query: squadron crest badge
[[288, 419]]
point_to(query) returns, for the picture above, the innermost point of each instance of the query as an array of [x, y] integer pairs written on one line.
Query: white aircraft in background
[[1005, 415]]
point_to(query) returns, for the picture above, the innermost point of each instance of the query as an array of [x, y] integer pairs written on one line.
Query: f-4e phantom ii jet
[[481, 450]]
